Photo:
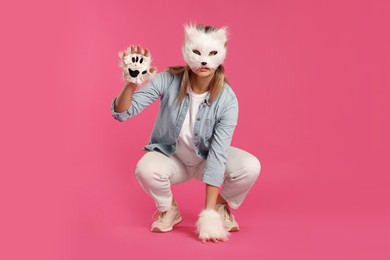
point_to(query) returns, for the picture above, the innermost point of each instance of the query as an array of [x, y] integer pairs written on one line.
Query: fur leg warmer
[[210, 226]]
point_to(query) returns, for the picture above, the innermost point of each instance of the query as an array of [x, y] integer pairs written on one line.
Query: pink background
[[312, 79]]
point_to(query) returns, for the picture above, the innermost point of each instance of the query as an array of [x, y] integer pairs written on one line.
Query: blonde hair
[[217, 82]]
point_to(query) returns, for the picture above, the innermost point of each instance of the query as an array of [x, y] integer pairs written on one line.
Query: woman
[[192, 133]]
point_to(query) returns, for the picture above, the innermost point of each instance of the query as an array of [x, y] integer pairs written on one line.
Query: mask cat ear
[[222, 34], [190, 31]]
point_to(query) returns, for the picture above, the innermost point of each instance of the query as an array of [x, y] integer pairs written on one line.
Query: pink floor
[[312, 80], [98, 211]]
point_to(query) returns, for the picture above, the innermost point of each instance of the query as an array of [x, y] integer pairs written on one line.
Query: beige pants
[[156, 173]]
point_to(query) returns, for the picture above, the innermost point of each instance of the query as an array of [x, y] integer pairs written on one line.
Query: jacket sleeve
[[144, 96], [214, 170]]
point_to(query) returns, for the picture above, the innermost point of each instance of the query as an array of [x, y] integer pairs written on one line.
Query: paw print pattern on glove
[[136, 63]]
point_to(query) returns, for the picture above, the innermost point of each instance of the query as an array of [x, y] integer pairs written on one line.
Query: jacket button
[[198, 119], [196, 134]]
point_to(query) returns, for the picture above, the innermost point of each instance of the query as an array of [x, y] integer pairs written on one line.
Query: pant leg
[[242, 171], [156, 172]]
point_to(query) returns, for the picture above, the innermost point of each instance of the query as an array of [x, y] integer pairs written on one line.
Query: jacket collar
[[207, 98]]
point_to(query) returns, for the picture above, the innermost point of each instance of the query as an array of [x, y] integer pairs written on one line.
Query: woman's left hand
[[210, 226]]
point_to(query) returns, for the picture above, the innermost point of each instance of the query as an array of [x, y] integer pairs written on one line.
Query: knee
[[145, 171], [252, 167]]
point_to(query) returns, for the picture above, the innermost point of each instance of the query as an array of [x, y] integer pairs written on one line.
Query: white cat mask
[[201, 49]]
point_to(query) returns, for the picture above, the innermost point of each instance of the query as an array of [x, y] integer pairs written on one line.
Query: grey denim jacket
[[213, 129]]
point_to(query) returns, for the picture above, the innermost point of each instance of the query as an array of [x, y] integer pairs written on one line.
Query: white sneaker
[[228, 219], [166, 220]]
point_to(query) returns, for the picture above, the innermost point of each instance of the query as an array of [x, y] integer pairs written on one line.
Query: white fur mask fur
[[201, 47]]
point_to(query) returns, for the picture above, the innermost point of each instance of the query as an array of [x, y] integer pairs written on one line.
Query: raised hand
[[136, 63]]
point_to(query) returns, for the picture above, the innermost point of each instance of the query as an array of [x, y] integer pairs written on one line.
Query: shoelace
[[160, 217], [226, 214]]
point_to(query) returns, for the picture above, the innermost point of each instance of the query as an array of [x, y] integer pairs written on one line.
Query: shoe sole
[[175, 222], [234, 229]]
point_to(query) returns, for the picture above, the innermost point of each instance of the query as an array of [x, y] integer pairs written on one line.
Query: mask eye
[[196, 52], [212, 53]]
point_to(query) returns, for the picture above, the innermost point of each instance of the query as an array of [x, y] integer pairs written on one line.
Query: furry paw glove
[[210, 226], [136, 67]]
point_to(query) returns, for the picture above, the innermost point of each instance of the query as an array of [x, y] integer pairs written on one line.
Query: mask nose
[[204, 63]]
